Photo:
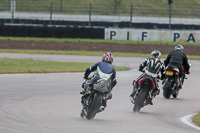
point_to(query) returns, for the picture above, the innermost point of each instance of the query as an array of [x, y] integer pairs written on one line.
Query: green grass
[[93, 41], [34, 66], [62, 52], [186, 8], [196, 119]]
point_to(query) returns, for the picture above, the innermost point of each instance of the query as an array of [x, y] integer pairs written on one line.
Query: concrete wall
[[153, 35]]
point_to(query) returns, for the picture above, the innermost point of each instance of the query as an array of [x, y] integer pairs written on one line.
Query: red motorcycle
[[143, 94]]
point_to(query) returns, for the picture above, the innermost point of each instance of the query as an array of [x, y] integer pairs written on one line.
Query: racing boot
[[104, 102], [150, 101], [86, 89], [84, 85], [82, 92], [103, 106], [181, 81], [135, 87], [180, 85], [108, 96], [155, 92]]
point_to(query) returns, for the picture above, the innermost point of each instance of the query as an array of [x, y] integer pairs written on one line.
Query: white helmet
[[179, 48], [156, 54]]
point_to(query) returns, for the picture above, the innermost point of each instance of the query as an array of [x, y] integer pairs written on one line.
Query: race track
[[50, 103]]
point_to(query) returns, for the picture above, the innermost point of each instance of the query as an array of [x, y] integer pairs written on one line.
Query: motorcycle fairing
[[147, 80], [101, 86], [171, 70]]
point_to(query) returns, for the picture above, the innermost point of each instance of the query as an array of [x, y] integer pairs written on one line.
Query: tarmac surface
[[50, 103]]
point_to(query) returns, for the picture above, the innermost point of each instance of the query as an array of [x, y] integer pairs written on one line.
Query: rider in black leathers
[[153, 67], [178, 59]]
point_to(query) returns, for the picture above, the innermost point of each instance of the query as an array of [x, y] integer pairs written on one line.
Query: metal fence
[[117, 9]]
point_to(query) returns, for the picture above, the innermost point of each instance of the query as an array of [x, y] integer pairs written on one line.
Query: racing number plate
[[169, 73]]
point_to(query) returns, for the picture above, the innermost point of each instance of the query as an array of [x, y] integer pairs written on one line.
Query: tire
[[139, 103], [95, 105], [167, 89]]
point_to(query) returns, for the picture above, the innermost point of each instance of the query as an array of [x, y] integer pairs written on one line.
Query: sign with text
[[13, 4], [153, 35]]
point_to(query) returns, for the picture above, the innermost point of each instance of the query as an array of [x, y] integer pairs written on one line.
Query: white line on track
[[188, 120]]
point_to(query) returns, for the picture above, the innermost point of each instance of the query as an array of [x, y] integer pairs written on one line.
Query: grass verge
[[196, 119], [64, 52], [34, 66], [88, 53], [93, 41]]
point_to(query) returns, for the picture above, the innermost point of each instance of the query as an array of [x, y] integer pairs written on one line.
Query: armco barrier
[[51, 31]]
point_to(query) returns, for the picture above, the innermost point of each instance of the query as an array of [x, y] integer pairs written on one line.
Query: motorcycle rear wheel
[[167, 89], [139, 103], [95, 105]]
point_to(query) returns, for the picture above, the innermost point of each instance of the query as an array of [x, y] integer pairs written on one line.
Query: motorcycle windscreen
[[146, 82]]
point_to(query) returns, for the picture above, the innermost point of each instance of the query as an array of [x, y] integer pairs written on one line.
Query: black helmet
[[179, 48], [156, 54]]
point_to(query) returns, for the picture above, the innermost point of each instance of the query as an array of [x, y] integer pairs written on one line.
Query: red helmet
[[107, 57]]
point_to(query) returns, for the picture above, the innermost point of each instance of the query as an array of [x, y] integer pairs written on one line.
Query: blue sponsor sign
[[153, 35]]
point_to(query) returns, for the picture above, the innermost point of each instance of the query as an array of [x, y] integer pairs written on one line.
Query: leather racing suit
[[153, 67], [178, 59], [103, 69]]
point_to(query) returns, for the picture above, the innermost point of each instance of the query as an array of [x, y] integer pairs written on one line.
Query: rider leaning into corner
[[153, 67], [103, 68], [178, 59]]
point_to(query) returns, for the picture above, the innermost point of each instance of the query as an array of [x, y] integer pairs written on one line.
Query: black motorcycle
[[172, 82], [95, 94], [143, 95]]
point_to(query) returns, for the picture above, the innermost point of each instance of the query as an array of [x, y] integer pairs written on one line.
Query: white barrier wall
[[153, 35]]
